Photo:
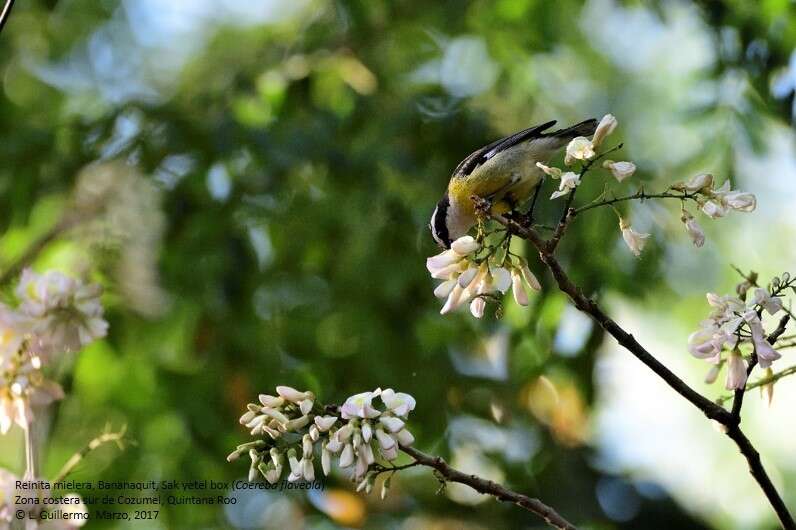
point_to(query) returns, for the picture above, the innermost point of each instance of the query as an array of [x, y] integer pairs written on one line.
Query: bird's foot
[[483, 207], [523, 219]]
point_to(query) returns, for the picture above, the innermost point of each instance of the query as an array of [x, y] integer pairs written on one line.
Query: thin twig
[[763, 381], [74, 460], [639, 195], [568, 212], [550, 516]]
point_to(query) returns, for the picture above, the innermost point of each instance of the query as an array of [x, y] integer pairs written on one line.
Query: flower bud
[[347, 456], [326, 460], [465, 245], [271, 401], [324, 423], [367, 431], [405, 437], [606, 126], [392, 423], [293, 395], [307, 469], [517, 289], [385, 440], [579, 148], [620, 170], [736, 371]]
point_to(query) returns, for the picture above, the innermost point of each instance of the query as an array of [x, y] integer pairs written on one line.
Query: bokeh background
[[251, 180]]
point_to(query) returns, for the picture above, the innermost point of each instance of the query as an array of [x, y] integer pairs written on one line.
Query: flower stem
[[31, 452]]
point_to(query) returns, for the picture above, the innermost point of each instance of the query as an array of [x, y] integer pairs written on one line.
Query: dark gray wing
[[477, 158]]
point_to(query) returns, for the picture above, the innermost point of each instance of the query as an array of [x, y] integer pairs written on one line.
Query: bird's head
[[439, 223]]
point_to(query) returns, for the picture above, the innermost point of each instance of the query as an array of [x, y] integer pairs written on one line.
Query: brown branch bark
[[626, 340], [535, 506]]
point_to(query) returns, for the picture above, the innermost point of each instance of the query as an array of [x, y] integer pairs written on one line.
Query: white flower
[[741, 201], [391, 453], [306, 446], [67, 313], [736, 371], [347, 456], [444, 289], [385, 440], [703, 343], [634, 240], [334, 444], [702, 183], [466, 278], [393, 424], [501, 278], [405, 437], [326, 460], [551, 171], [518, 290], [398, 403], [324, 423], [293, 395], [579, 148], [530, 278], [360, 406], [766, 354], [477, 307], [366, 452], [693, 229], [714, 209], [772, 304], [307, 469], [275, 414], [454, 300], [606, 126], [465, 245], [723, 200], [569, 181], [271, 401], [620, 170]]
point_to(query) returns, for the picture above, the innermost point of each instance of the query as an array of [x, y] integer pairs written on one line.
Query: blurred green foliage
[[296, 158]]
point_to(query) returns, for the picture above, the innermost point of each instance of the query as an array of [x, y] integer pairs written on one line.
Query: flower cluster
[[716, 202], [582, 149], [713, 202], [469, 276], [56, 314], [355, 433], [735, 323]]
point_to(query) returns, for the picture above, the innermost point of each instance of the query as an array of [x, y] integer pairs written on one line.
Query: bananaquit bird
[[503, 172]]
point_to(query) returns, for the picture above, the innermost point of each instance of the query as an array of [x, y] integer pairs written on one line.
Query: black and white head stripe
[[439, 223]]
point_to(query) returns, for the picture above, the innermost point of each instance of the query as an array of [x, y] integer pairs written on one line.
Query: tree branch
[[550, 516], [708, 408]]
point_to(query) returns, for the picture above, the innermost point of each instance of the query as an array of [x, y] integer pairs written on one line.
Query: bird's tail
[[584, 128]]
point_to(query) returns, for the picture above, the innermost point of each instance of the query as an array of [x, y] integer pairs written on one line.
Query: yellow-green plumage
[[504, 172]]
